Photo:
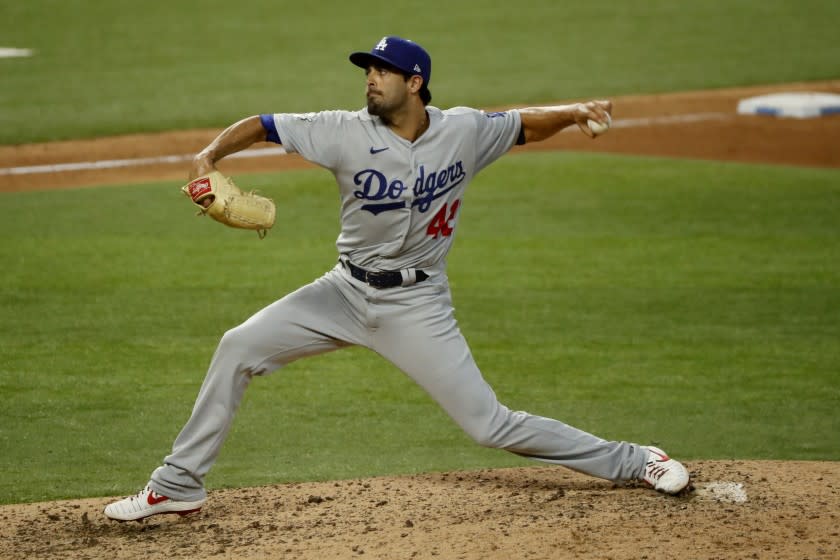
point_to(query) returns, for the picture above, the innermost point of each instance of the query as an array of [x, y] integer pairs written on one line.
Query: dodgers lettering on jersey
[[375, 186], [400, 201]]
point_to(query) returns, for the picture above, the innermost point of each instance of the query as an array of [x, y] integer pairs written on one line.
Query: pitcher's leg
[[309, 321], [181, 477], [427, 345]]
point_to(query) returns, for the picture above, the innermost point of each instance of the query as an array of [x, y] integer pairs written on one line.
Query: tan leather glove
[[218, 197]]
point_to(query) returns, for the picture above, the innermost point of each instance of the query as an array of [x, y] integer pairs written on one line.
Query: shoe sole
[[687, 489], [178, 513]]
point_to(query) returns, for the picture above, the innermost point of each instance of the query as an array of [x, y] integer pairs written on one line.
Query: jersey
[[400, 200]]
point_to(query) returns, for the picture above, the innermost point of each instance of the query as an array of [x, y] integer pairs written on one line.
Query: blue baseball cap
[[400, 53]]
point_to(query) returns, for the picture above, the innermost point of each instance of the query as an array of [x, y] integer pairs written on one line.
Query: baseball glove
[[229, 205]]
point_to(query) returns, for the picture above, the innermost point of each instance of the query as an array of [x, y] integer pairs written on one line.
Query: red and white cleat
[[148, 503], [663, 473]]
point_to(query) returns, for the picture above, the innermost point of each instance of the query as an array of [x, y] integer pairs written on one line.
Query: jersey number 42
[[440, 224]]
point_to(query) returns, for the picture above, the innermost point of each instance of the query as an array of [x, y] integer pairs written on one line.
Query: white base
[[796, 105]]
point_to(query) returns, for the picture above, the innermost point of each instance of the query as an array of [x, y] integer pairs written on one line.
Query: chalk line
[[132, 162]]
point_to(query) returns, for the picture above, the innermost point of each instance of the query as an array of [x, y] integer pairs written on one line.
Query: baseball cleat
[[148, 503], [663, 473]]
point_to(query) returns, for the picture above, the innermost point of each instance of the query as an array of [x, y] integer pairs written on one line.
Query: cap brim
[[362, 59]]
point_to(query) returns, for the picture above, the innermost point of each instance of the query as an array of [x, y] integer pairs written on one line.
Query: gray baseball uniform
[[400, 206]]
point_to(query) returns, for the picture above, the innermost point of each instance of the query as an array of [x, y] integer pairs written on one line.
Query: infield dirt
[[739, 509], [700, 124]]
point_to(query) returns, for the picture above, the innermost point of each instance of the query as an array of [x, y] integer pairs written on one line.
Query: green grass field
[[106, 67], [685, 303], [691, 304]]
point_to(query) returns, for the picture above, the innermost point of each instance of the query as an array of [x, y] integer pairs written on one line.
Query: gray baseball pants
[[413, 327]]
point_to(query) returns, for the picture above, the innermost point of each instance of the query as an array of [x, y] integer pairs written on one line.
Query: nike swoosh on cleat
[[375, 151], [155, 499]]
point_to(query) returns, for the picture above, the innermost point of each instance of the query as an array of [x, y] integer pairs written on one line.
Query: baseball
[[598, 128]]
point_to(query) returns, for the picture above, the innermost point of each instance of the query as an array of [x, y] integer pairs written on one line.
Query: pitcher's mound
[[739, 509]]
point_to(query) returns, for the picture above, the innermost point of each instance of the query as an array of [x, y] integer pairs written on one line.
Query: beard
[[381, 107], [375, 106]]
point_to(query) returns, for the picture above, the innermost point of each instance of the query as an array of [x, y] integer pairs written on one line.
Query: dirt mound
[[739, 509]]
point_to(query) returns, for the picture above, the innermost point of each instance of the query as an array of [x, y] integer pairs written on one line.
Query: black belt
[[381, 278]]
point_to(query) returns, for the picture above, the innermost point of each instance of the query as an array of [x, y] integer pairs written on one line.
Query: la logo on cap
[[380, 46]]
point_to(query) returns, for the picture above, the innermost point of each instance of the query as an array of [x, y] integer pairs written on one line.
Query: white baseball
[[598, 128]]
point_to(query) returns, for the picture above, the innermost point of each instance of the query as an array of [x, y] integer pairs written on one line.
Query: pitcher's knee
[[237, 349], [234, 341], [485, 434], [487, 422]]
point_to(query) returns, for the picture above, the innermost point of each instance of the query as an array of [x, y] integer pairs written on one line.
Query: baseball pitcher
[[402, 168]]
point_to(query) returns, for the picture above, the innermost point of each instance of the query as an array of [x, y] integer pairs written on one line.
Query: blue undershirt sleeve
[[270, 128]]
